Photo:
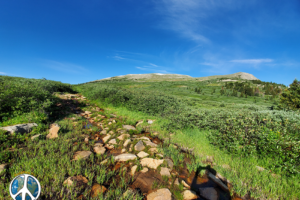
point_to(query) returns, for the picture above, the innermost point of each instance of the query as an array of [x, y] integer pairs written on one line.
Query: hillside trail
[[154, 174]]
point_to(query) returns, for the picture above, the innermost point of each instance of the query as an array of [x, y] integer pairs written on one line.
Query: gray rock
[[139, 146], [19, 128], [209, 193], [125, 157], [170, 163], [151, 144]]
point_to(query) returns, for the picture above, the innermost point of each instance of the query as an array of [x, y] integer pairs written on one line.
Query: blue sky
[[76, 41]]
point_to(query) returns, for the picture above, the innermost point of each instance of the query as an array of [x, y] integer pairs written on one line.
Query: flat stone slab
[[106, 138], [151, 144], [142, 154], [151, 163], [19, 128], [125, 157], [82, 155], [113, 141], [160, 194], [128, 127]]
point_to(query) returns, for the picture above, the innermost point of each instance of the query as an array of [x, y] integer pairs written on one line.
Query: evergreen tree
[[290, 98]]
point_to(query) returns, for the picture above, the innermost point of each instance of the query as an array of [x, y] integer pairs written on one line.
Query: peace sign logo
[[25, 187]]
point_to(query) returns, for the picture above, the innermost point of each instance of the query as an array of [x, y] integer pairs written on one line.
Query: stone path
[[128, 148]]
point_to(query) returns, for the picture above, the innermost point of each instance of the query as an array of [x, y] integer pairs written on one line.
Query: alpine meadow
[[244, 132]]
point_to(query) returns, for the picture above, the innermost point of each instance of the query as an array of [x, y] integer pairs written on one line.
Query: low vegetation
[[236, 122]]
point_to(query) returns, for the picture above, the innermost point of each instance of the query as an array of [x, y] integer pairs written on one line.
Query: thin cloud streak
[[64, 67], [118, 58], [3, 73], [253, 61]]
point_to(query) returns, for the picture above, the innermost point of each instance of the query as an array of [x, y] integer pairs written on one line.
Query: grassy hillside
[[236, 124], [239, 118]]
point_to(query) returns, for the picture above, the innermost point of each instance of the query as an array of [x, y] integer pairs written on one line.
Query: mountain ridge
[[160, 76]]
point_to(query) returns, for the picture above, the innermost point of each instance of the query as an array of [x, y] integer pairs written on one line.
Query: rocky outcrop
[[19, 128]]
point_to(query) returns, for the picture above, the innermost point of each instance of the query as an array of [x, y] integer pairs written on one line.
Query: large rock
[[19, 128], [128, 127], [82, 155], [144, 181], [189, 194], [53, 132], [209, 193], [125, 157], [139, 146], [151, 163], [160, 194]]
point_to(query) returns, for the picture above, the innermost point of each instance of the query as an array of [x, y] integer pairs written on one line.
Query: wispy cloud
[[253, 61], [64, 67], [182, 17], [118, 58], [3, 73]]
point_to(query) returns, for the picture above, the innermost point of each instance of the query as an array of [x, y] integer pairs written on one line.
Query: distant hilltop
[[179, 77]]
